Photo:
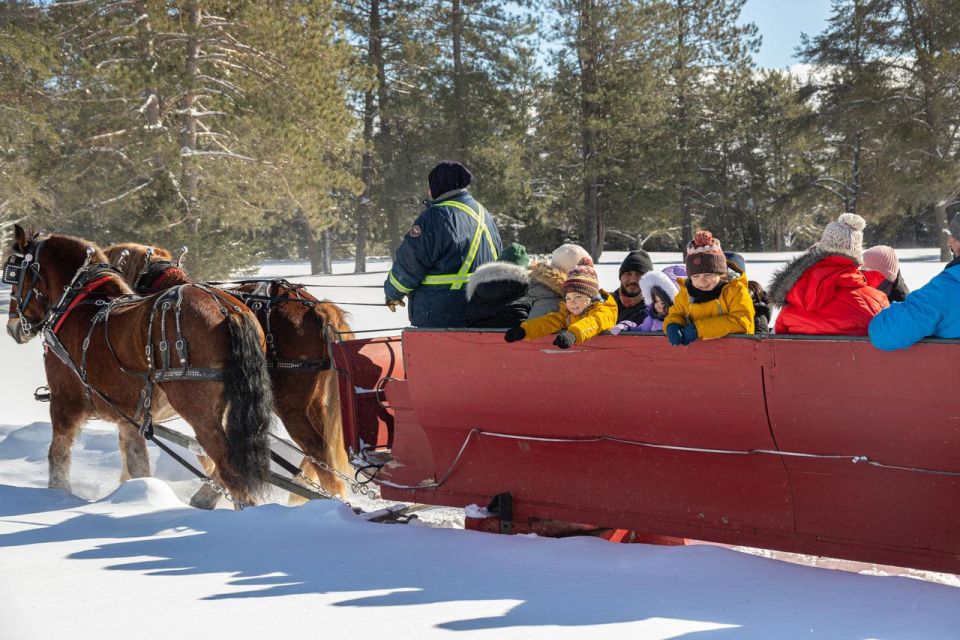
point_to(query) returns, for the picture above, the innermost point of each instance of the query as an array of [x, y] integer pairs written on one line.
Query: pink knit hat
[[883, 259], [704, 255]]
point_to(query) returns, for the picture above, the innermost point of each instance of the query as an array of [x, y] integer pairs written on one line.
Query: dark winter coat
[[761, 319], [930, 311], [895, 291], [637, 313], [436, 248], [546, 289], [497, 296], [824, 293]]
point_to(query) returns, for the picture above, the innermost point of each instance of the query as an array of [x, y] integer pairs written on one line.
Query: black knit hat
[[638, 261], [448, 176], [955, 226]]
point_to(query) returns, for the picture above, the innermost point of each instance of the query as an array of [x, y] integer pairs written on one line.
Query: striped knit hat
[[704, 255], [582, 279]]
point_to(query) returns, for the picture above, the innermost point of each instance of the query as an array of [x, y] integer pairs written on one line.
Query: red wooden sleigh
[[819, 445]]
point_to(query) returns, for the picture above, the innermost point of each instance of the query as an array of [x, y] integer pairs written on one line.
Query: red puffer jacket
[[825, 294]]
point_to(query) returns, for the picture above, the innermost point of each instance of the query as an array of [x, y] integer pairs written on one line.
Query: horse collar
[[77, 299]]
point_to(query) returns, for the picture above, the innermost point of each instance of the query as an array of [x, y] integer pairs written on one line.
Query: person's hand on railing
[[514, 334]]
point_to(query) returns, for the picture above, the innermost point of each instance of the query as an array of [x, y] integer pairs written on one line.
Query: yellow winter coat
[[599, 316], [732, 312]]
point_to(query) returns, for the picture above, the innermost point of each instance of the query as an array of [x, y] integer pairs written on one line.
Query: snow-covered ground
[[135, 561]]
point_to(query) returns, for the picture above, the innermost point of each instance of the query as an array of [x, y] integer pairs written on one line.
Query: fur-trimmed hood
[[786, 277], [501, 274], [659, 280], [550, 277]]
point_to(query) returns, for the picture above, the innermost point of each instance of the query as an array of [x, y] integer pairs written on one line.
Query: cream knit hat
[[844, 236]]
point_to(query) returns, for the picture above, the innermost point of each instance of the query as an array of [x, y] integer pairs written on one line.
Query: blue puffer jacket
[[429, 263], [932, 311]]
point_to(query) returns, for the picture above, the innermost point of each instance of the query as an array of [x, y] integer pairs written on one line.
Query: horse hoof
[[205, 498]]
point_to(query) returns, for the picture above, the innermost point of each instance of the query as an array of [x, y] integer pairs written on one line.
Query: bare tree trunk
[[151, 103], [853, 193], [386, 146], [587, 53], [321, 250], [924, 49], [680, 68], [188, 132], [364, 207], [459, 86]]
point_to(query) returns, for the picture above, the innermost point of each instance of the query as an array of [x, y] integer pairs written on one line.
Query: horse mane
[[334, 317], [136, 258], [71, 251]]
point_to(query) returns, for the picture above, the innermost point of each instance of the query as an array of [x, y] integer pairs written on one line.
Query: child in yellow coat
[[708, 305], [585, 312]]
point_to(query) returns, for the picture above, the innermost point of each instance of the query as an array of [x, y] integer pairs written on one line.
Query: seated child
[[585, 312], [881, 268], [658, 290], [709, 304]]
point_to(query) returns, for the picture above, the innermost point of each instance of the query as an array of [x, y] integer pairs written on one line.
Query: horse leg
[[303, 415], [303, 432], [208, 422], [133, 453], [207, 495], [66, 421]]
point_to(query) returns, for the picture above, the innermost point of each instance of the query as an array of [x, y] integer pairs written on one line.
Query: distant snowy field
[[135, 561]]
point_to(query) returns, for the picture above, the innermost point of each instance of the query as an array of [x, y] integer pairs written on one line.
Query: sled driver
[[447, 242]]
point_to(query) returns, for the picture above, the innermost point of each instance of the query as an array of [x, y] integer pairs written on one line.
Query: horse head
[[40, 269]]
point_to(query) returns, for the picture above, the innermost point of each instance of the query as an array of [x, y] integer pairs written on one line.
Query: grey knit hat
[[955, 226], [844, 236]]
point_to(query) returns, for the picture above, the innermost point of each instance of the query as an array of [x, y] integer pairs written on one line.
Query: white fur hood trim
[[652, 279], [495, 272]]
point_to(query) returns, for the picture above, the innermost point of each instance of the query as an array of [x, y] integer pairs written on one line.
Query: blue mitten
[[675, 334], [690, 333]]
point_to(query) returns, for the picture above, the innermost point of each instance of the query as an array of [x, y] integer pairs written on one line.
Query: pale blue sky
[[780, 23]]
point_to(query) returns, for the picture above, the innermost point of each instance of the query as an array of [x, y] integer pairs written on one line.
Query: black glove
[[514, 334], [565, 340]]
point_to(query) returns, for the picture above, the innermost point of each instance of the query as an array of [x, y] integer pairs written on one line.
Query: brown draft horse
[[306, 399], [190, 351]]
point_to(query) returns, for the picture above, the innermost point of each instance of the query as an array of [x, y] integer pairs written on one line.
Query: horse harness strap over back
[[261, 301]]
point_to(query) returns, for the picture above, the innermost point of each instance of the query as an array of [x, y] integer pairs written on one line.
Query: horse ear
[[19, 238]]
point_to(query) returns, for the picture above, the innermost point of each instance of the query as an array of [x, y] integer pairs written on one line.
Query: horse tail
[[335, 318], [247, 390]]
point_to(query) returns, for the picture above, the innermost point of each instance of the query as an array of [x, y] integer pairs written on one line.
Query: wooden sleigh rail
[[814, 445]]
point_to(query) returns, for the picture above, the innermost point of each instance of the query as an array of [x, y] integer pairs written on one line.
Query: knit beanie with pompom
[[582, 279], [844, 236], [704, 255]]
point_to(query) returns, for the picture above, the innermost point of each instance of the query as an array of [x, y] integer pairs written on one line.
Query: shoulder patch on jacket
[[414, 231]]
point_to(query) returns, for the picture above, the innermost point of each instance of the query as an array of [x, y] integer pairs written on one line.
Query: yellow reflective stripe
[[447, 278], [481, 231], [486, 232], [396, 283]]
